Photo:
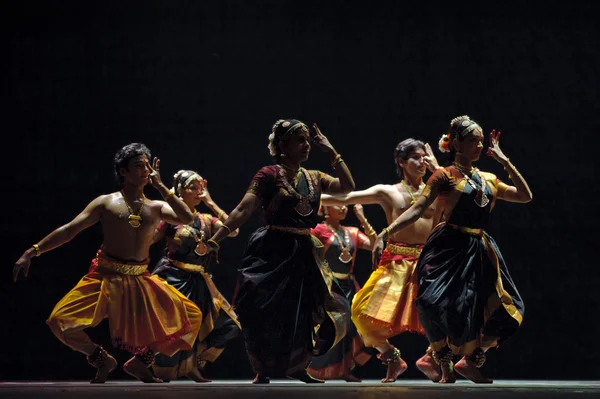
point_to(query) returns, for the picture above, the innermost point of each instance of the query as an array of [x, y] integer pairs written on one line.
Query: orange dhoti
[[143, 311], [385, 306]]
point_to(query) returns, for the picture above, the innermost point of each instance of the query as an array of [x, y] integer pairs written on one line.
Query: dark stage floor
[[414, 389]]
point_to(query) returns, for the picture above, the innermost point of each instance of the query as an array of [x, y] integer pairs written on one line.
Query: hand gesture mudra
[[377, 251], [22, 264], [494, 148], [320, 140], [205, 194], [212, 249], [358, 211], [155, 179], [430, 161]]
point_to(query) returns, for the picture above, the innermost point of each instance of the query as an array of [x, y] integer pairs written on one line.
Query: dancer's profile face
[[414, 166], [192, 193], [297, 147], [472, 145], [137, 171], [337, 213]]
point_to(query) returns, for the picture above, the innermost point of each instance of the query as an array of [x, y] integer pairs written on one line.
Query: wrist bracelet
[[226, 227], [369, 230], [214, 243], [338, 159], [171, 193]]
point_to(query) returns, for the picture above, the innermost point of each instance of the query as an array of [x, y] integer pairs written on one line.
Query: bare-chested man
[[146, 315], [385, 306]]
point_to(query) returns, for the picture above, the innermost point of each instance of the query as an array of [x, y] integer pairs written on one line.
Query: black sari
[[289, 303], [466, 295], [185, 269], [350, 351]]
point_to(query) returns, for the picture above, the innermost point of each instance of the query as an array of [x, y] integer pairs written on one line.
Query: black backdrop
[[201, 83]]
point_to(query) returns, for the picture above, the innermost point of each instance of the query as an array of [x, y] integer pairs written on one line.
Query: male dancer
[[146, 315], [385, 306]]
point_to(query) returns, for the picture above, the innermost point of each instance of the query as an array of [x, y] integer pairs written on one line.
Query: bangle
[[227, 227], [37, 249], [386, 233], [512, 170], [338, 160], [220, 215], [369, 230], [171, 193], [214, 243]]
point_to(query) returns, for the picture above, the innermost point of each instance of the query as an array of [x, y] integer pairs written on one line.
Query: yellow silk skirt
[[144, 312], [385, 305]]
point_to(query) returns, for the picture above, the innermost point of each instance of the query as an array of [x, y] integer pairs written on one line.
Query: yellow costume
[[144, 312], [385, 306]]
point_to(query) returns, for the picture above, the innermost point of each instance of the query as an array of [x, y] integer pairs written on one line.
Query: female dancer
[[184, 266], [287, 296], [467, 301], [341, 244]]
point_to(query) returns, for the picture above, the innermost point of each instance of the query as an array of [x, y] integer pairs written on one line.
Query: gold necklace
[[294, 171], [135, 219], [412, 197], [303, 207], [345, 255], [481, 199], [201, 248], [463, 169]]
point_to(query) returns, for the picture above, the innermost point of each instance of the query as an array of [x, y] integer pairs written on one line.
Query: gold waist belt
[[342, 276], [404, 251], [467, 230], [188, 267], [292, 230], [131, 269]]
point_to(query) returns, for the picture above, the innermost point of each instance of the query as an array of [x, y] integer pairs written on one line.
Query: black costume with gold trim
[[350, 351], [290, 304], [185, 269], [466, 295]]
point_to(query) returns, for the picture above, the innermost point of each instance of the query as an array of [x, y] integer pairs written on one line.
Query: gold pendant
[[481, 200], [135, 221], [412, 201], [345, 256], [303, 207], [201, 249]]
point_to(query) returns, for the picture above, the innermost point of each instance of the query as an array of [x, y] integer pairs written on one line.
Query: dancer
[[385, 307], [340, 246], [286, 291], [146, 315], [467, 301], [184, 266]]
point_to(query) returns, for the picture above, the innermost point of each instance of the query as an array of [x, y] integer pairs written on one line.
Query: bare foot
[[429, 367], [197, 376], [136, 368], [303, 376], [102, 372], [394, 369], [468, 369], [348, 377], [448, 376], [261, 379]]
